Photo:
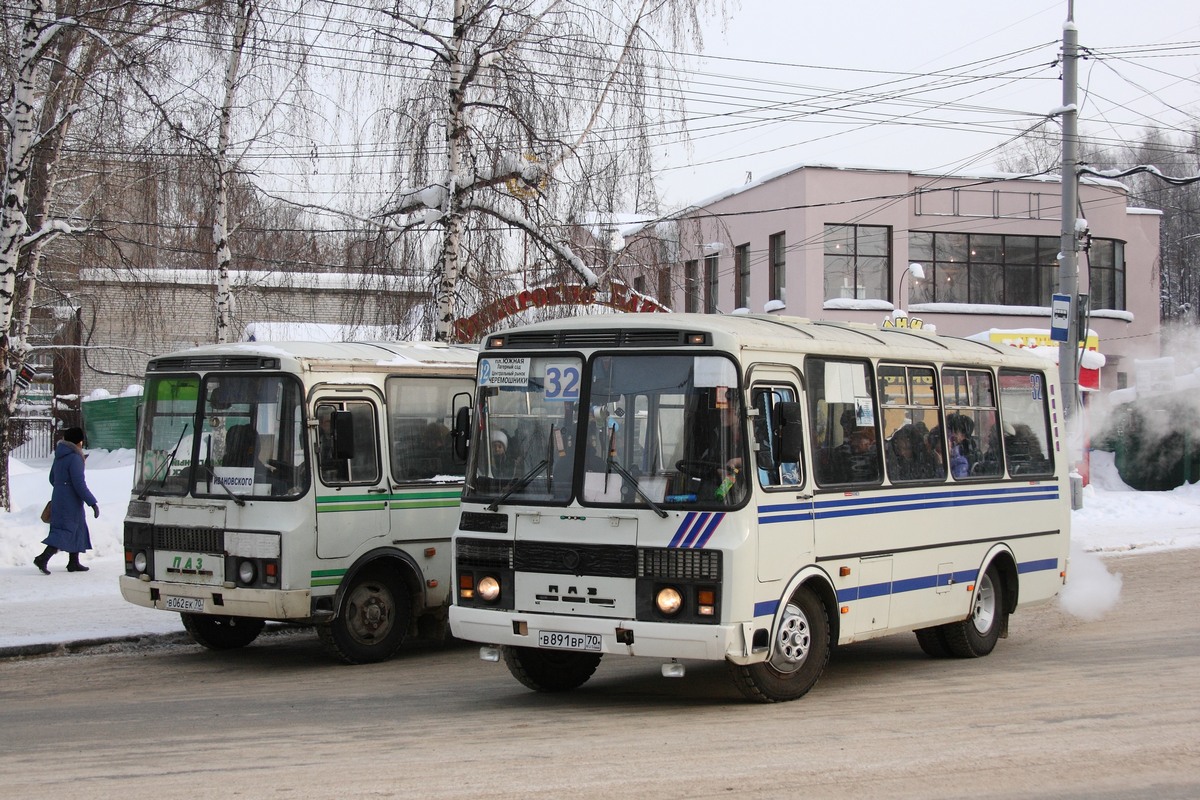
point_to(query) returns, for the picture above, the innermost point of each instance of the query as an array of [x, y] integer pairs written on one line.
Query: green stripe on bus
[[377, 506], [326, 577], [409, 504], [407, 496]]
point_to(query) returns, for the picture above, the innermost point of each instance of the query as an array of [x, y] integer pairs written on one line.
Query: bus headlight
[[489, 589], [668, 600], [246, 572], [140, 562]]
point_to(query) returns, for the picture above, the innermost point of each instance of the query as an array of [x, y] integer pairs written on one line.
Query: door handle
[[377, 490]]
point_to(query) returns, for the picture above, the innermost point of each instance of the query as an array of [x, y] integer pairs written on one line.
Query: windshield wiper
[[521, 484], [612, 463], [163, 469]]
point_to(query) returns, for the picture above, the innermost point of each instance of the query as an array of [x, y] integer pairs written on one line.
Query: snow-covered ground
[[67, 607]]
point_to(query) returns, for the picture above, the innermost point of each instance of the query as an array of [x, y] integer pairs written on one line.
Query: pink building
[[828, 243]]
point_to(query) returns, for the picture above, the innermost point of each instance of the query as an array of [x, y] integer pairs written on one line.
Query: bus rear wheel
[[977, 635], [933, 642], [550, 670], [799, 653], [221, 633], [371, 623]]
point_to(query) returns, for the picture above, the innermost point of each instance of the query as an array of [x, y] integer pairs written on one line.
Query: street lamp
[[918, 273]]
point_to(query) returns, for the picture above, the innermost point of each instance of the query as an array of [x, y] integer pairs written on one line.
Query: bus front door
[[351, 487]]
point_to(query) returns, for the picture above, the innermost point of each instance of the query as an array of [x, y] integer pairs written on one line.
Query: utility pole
[[1068, 257]]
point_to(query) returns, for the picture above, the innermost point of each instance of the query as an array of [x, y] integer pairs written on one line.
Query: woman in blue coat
[[68, 524]]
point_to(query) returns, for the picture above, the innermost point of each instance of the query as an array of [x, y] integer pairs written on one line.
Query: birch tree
[[66, 57], [510, 116]]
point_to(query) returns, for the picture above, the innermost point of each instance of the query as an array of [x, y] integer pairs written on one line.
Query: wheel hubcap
[[984, 613], [793, 640], [368, 614]]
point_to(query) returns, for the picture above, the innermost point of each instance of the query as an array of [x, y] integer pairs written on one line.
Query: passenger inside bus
[[241, 442], [501, 461], [713, 449], [908, 456]]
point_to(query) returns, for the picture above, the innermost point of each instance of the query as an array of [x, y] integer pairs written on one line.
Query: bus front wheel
[[550, 670], [220, 632], [799, 653], [372, 621]]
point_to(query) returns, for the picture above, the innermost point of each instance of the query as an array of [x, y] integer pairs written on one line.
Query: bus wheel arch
[[800, 644], [373, 610], [977, 635]]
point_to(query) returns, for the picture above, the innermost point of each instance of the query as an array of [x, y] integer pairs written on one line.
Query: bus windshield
[[224, 435], [655, 430]]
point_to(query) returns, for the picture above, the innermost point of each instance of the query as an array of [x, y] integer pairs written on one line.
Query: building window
[[711, 283], [995, 269], [691, 286], [664, 287], [778, 268], [1106, 273], [741, 286], [858, 262]]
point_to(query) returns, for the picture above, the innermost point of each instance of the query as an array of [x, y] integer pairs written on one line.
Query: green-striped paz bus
[[299, 482]]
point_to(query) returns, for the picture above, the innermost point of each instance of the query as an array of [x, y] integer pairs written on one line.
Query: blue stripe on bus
[[696, 529], [862, 506], [708, 531], [908, 585]]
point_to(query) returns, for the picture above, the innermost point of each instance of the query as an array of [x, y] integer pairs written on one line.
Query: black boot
[[40, 561], [73, 564]]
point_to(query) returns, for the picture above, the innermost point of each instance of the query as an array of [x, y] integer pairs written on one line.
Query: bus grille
[[606, 561], [211, 362], [192, 540], [482, 553], [677, 564]]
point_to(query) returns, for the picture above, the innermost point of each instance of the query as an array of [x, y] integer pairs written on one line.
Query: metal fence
[[33, 437]]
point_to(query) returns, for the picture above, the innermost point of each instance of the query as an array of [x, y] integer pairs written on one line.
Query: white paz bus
[[753, 489], [299, 482]]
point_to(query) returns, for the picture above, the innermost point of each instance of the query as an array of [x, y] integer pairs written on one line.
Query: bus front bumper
[[218, 600], [617, 636]]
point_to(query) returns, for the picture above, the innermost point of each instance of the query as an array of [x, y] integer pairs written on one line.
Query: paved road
[[1063, 708]]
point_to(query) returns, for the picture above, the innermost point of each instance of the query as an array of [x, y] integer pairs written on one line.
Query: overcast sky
[[752, 100]]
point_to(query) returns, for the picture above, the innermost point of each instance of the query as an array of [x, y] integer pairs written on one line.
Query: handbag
[[46, 512]]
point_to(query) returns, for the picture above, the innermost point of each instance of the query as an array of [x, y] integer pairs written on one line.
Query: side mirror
[[791, 432], [462, 432]]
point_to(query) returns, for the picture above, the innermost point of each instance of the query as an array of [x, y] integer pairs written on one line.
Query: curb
[[128, 641], [81, 645]]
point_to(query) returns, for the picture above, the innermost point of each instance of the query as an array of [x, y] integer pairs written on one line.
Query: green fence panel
[[111, 423]]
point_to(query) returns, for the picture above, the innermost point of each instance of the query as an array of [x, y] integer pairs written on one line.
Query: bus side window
[[971, 422], [908, 400], [844, 417], [346, 442], [1026, 430], [774, 468]]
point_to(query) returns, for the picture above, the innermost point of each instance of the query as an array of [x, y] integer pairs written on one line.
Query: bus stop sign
[[1060, 317]]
